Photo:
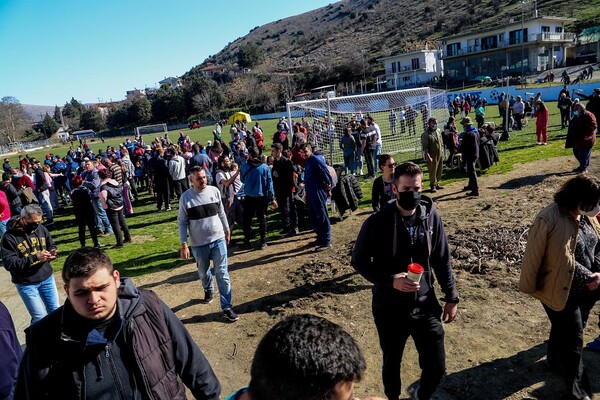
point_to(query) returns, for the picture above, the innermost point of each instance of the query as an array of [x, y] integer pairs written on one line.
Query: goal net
[[149, 129], [401, 115]]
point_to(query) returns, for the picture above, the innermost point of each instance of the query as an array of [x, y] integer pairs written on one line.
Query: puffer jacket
[[549, 261], [66, 357]]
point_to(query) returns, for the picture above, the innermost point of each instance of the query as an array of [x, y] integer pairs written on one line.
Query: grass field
[[155, 235]]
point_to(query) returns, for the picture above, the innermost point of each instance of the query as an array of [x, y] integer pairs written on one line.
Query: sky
[[95, 51]]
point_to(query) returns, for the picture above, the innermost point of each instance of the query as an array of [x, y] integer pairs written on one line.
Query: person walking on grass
[[201, 213], [111, 197], [581, 136], [433, 153], [541, 123]]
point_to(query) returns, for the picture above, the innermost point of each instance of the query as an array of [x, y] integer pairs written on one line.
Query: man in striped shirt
[[201, 212]]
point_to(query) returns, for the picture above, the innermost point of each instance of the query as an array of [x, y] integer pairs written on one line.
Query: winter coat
[[67, 357], [549, 260]]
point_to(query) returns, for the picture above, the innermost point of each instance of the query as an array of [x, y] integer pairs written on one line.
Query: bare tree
[[13, 120]]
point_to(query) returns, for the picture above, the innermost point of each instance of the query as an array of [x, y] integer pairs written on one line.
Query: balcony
[[544, 37], [555, 37]]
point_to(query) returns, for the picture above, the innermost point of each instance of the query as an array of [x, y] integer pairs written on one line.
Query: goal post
[[149, 129], [401, 115]]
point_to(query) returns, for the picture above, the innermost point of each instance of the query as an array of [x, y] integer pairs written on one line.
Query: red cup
[[415, 271]]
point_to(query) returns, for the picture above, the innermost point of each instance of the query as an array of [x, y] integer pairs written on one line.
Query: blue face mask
[[435, 126], [576, 112]]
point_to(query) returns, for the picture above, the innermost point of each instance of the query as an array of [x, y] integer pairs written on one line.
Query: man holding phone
[[27, 249]]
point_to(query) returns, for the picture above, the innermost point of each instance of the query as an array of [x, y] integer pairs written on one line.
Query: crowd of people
[[400, 249]]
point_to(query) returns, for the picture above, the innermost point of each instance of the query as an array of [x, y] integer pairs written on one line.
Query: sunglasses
[[392, 165]]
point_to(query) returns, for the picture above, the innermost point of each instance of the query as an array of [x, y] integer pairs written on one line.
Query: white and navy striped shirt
[[203, 213]]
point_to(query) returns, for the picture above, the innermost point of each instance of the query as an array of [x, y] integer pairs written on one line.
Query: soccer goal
[[150, 129], [401, 115]]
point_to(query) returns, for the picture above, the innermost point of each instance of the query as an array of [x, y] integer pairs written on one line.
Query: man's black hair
[[84, 262], [304, 357], [252, 152], [408, 168]]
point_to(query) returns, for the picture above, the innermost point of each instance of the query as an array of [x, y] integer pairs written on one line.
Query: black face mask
[[408, 200], [31, 227]]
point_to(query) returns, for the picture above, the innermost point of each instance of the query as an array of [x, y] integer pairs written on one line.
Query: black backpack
[[114, 195]]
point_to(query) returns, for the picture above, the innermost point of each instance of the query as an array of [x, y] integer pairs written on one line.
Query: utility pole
[[523, 2]]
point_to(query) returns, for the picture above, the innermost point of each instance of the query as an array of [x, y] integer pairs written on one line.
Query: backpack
[[114, 195], [27, 196]]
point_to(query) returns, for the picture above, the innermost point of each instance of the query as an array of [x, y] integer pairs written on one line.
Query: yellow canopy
[[241, 116]]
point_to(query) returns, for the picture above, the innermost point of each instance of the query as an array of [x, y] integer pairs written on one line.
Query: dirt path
[[495, 349]]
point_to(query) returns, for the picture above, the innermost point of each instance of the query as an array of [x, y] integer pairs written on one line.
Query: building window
[[545, 28], [558, 29], [452, 49], [515, 37], [490, 42], [393, 68], [415, 63], [398, 67]]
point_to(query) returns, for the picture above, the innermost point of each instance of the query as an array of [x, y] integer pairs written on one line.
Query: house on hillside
[[173, 82], [522, 46], [411, 69], [212, 69], [135, 94]]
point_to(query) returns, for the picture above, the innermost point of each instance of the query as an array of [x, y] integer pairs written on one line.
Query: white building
[[412, 69], [520, 46], [172, 81]]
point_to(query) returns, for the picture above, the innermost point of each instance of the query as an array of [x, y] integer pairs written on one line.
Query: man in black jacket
[[408, 231], [283, 185], [43, 192], [12, 194], [27, 249], [111, 340], [161, 177]]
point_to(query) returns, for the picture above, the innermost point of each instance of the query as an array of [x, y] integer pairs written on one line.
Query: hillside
[[345, 38]]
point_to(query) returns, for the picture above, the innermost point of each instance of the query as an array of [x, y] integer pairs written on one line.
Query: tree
[[58, 115], [249, 55], [201, 94], [49, 125], [72, 112], [92, 119], [13, 120], [139, 112], [168, 105]]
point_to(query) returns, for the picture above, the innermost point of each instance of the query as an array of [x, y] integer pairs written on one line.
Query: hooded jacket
[[257, 179], [19, 250], [385, 247], [145, 352]]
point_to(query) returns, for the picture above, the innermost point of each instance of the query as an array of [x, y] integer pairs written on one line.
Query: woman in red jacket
[[541, 123]]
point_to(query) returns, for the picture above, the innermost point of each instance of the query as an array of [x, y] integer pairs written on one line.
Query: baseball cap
[[466, 121]]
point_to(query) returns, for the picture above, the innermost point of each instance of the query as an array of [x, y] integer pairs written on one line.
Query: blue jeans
[[350, 161], [376, 156], [583, 155], [217, 252], [40, 298], [3, 228], [44, 200], [102, 221]]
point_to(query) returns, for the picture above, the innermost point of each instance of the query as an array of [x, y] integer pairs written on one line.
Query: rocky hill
[[350, 35]]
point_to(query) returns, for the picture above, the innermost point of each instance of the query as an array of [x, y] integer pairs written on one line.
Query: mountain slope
[[354, 33]]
